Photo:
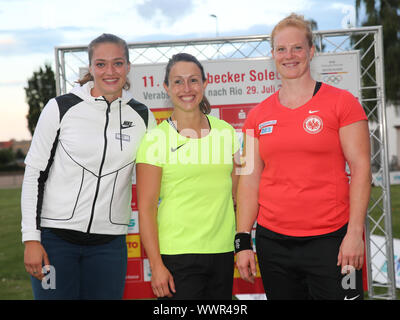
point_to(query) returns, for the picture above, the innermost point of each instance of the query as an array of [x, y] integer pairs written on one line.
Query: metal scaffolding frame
[[68, 60]]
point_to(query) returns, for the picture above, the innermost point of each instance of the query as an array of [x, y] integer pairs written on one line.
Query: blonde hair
[[297, 21]]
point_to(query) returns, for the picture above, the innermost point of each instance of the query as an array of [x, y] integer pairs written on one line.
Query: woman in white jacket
[[76, 193]]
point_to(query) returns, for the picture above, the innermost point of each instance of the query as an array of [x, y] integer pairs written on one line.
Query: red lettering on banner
[[133, 245], [225, 77], [263, 76]]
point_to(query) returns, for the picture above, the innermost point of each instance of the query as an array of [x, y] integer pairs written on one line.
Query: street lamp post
[[216, 23]]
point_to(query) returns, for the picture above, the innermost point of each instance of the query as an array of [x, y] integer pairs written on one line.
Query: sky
[[31, 29]]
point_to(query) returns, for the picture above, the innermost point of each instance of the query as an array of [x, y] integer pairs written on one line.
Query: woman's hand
[[35, 257], [246, 264], [351, 253], [162, 282]]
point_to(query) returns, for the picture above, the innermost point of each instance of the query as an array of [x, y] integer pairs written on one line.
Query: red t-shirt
[[304, 187]]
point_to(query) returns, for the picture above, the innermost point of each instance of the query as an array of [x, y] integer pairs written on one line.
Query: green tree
[[41, 88], [387, 14], [7, 156], [314, 27]]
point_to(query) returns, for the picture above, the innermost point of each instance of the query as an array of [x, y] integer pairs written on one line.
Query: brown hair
[[297, 21], [204, 105], [105, 38]]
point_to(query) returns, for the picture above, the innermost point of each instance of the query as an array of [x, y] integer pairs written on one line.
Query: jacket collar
[[84, 92]]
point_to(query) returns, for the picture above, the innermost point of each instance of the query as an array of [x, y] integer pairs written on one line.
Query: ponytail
[[205, 105]]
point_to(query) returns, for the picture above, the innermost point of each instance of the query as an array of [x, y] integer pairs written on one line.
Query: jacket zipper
[[120, 125], [101, 166]]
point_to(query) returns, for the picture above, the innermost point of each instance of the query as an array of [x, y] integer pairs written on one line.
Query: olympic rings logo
[[335, 79]]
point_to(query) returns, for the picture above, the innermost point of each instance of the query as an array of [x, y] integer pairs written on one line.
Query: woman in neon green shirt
[[186, 178]]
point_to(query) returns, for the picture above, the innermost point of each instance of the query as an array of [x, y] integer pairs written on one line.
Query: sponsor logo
[[313, 124], [333, 78], [266, 130], [267, 123], [133, 226], [312, 111], [237, 243], [352, 298], [133, 246], [127, 124], [174, 149]]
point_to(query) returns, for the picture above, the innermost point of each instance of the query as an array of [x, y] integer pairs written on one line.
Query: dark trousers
[[82, 272], [201, 276], [297, 268]]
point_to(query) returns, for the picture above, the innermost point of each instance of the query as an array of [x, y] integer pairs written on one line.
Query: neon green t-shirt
[[195, 213]]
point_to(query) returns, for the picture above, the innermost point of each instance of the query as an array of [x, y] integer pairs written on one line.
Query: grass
[[15, 282], [395, 202]]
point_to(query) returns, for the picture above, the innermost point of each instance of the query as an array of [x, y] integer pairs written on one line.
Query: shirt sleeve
[[250, 126], [36, 162], [152, 148], [29, 198], [349, 109], [152, 123], [236, 143], [44, 136]]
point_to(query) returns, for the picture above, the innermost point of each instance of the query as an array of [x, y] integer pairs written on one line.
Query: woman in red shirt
[[310, 219]]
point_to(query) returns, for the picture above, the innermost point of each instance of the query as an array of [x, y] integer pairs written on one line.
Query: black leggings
[[297, 268], [201, 276]]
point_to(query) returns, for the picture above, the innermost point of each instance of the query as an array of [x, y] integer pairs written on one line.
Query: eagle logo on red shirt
[[313, 124]]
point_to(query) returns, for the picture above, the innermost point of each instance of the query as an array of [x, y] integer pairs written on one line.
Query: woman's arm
[[235, 176], [354, 139], [247, 203], [148, 183], [36, 162], [35, 255]]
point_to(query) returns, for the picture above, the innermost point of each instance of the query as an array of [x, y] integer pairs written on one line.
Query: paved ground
[[11, 181]]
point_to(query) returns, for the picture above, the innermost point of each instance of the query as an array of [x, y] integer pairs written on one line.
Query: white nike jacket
[[80, 164]]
